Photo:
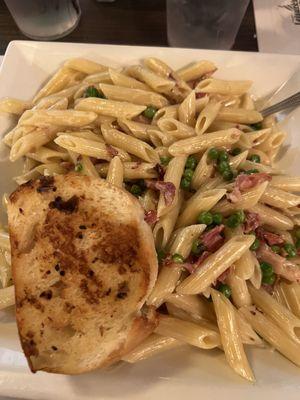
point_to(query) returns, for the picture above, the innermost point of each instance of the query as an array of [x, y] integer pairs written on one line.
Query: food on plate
[[83, 264], [200, 160]]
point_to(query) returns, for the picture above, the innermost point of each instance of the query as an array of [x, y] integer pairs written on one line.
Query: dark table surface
[[133, 22]]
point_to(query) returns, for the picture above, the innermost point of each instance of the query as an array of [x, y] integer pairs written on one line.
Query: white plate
[[184, 373]]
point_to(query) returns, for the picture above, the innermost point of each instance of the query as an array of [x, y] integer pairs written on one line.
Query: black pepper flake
[[21, 210], [253, 312], [90, 273], [54, 348], [48, 272], [79, 235], [123, 290], [57, 267], [62, 273], [82, 227]]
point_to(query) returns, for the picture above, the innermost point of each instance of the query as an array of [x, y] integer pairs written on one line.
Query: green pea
[[255, 158], [266, 268], [136, 190], [298, 244], [217, 218], [276, 249], [149, 112], [205, 218], [188, 173], [223, 155], [91, 91], [164, 160], [290, 249], [197, 247], [161, 255], [297, 233], [78, 167], [234, 220], [257, 126], [236, 151], [177, 258], [223, 166], [191, 162], [251, 171], [213, 153], [185, 183], [255, 245], [225, 289], [268, 280], [228, 175]]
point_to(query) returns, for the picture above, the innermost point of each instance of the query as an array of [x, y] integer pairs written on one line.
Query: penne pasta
[[7, 297], [230, 336], [203, 142], [66, 118], [174, 128], [212, 85], [239, 115], [187, 110], [203, 172], [279, 198], [272, 218], [188, 332], [206, 117], [286, 183], [215, 265], [136, 96], [86, 66], [239, 290], [136, 129], [13, 106], [119, 79], [269, 331], [196, 70], [129, 144], [132, 170], [110, 108], [115, 172], [156, 82], [291, 294]]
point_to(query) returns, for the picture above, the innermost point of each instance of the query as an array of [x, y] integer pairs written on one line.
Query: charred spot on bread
[[123, 290], [46, 294], [67, 206], [46, 184]]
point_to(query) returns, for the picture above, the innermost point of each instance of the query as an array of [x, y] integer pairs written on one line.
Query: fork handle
[[292, 101]]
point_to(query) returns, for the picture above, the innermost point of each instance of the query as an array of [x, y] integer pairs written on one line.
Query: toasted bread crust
[[83, 263]]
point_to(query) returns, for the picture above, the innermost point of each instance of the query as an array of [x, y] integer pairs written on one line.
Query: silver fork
[[290, 102]]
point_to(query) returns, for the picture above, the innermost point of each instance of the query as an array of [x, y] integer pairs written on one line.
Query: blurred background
[[249, 25], [191, 23]]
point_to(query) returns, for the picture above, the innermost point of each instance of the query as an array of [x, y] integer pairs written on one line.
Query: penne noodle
[[203, 142], [132, 170], [115, 172], [110, 108], [45, 155], [235, 161], [169, 275], [272, 218], [165, 112], [187, 110], [239, 115], [245, 266], [42, 169], [156, 82], [212, 85], [129, 144], [99, 77], [269, 331], [136, 129], [89, 148], [200, 201], [136, 96], [206, 117], [119, 79], [249, 199], [67, 118], [287, 183], [188, 332], [14, 106], [279, 314], [88, 167], [247, 102], [203, 172], [248, 335], [230, 336], [86, 66], [291, 293], [217, 263], [196, 306], [196, 70], [164, 227], [174, 128], [153, 345], [239, 290], [279, 198]]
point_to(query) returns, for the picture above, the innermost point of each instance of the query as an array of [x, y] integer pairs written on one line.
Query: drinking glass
[[209, 24], [45, 19]]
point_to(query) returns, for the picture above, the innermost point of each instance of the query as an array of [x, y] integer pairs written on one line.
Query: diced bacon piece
[[160, 171], [222, 278], [168, 189], [151, 217], [244, 182], [252, 222], [280, 265], [212, 239], [270, 237]]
